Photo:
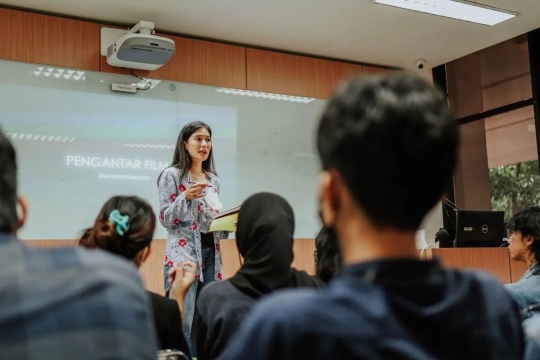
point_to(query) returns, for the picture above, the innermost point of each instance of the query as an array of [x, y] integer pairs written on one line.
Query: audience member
[[125, 227], [264, 238], [65, 303], [327, 256], [388, 147], [531, 327], [524, 246]]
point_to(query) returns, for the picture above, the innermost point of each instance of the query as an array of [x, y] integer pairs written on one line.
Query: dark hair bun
[[104, 236], [107, 237]]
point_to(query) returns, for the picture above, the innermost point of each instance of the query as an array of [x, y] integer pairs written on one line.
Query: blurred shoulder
[[104, 267], [285, 305]]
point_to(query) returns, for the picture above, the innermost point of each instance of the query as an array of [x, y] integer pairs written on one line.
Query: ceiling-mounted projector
[[140, 49]]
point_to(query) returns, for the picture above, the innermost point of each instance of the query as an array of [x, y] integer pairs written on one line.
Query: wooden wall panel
[[208, 63], [229, 257], [197, 61], [49, 40], [492, 260], [152, 270], [280, 73], [303, 250], [304, 259], [50, 243]]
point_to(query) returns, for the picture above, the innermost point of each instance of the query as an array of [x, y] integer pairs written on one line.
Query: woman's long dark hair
[[181, 158]]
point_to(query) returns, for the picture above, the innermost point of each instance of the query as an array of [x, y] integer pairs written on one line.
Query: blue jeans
[[209, 259]]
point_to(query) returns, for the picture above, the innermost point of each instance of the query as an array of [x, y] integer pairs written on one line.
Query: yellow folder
[[226, 221]]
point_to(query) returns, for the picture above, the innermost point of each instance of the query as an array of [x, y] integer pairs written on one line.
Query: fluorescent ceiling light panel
[[41, 137], [264, 95], [60, 73], [459, 10], [149, 146]]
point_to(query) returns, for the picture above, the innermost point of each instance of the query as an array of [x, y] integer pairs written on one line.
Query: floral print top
[[185, 220]]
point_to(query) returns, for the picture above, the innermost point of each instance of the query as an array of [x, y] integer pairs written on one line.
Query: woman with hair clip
[[125, 227], [188, 202]]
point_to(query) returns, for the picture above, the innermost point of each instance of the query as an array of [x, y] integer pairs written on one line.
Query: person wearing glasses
[[524, 246]]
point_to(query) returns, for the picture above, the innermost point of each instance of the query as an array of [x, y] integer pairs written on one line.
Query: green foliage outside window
[[514, 187]]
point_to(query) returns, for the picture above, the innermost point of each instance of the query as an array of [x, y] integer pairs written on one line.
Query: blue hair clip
[[120, 221]]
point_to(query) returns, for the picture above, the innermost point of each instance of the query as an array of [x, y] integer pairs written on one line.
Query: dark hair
[[8, 186], [394, 143], [527, 222], [142, 223], [328, 255], [181, 158]]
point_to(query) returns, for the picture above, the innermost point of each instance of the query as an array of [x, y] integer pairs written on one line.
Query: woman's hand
[[181, 278], [195, 191]]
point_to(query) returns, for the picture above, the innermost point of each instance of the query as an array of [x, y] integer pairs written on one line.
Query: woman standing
[[188, 202]]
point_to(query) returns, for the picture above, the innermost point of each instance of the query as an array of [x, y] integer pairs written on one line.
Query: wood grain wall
[[492, 260], [50, 40]]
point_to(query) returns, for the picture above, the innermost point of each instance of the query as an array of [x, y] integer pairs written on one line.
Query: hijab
[[264, 237]]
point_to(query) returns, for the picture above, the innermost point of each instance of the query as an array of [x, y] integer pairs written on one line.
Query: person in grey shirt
[[65, 303]]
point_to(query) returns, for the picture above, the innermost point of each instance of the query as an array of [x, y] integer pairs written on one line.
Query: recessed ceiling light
[[459, 10], [264, 95]]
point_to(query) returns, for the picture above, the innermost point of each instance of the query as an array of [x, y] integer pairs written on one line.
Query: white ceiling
[[356, 30]]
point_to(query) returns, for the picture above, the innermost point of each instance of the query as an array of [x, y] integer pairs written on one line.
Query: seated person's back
[[264, 238], [65, 303], [388, 149], [69, 303], [125, 227]]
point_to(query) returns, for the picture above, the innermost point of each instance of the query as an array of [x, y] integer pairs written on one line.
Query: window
[[512, 155]]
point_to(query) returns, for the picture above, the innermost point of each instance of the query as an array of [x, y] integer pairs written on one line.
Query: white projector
[[140, 49]]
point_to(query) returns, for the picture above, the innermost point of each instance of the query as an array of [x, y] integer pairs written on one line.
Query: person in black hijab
[[264, 238]]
